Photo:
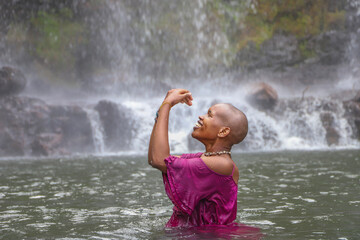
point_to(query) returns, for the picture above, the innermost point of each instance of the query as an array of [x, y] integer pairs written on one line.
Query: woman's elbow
[[158, 163], [154, 163]]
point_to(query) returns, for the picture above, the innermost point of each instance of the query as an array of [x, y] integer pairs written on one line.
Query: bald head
[[235, 119]]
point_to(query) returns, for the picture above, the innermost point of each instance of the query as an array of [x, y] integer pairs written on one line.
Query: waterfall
[[293, 125], [351, 72], [137, 50], [97, 130]]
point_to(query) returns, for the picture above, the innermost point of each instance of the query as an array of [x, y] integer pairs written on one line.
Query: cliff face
[[305, 41]]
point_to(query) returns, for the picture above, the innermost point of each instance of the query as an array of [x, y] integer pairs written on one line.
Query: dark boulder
[[328, 122], [352, 114], [262, 96], [29, 126], [10, 145], [12, 81], [47, 144], [73, 126], [20, 120], [117, 125]]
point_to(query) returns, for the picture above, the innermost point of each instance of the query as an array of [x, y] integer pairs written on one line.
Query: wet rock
[[328, 122], [47, 144], [21, 119], [352, 114], [356, 98], [117, 125], [10, 145], [275, 53], [29, 126], [73, 124], [329, 47], [12, 81], [262, 96]]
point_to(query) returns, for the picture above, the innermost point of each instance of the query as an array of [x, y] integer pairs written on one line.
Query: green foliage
[[57, 38], [256, 30], [258, 20], [305, 51]]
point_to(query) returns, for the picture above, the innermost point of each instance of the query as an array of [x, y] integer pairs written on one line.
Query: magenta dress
[[200, 196]]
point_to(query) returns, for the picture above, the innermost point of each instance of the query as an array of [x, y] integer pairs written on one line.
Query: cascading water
[[295, 124], [97, 130], [152, 47]]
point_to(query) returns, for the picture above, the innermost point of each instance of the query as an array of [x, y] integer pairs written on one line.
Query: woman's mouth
[[198, 125]]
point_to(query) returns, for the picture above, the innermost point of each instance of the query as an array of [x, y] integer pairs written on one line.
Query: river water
[[287, 194]]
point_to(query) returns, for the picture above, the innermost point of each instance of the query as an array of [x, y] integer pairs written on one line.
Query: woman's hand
[[175, 96]]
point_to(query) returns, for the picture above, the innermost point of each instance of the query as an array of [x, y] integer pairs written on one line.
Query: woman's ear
[[224, 131]]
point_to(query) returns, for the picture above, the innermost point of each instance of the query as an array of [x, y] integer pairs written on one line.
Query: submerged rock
[[12, 81]]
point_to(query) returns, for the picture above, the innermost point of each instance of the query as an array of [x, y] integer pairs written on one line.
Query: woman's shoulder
[[220, 165]]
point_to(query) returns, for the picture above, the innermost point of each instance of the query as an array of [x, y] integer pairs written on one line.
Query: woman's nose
[[201, 117]]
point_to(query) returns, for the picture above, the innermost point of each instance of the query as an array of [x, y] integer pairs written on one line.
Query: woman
[[202, 186]]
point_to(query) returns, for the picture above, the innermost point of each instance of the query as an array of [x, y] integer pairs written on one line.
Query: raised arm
[[159, 141]]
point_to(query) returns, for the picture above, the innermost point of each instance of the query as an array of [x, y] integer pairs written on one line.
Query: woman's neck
[[217, 147]]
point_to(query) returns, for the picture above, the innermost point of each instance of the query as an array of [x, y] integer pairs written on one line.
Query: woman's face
[[208, 125]]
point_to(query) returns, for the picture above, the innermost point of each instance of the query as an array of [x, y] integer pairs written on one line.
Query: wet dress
[[200, 196]]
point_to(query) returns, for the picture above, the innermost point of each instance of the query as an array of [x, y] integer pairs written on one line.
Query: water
[[288, 194]]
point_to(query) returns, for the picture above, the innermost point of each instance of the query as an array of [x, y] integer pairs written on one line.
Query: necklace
[[208, 154]]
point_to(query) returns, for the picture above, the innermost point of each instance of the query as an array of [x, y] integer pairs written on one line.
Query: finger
[[188, 101], [188, 95], [183, 91]]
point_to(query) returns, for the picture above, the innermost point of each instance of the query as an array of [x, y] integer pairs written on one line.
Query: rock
[[275, 53], [21, 119], [332, 136], [329, 47], [47, 144], [12, 81], [10, 145], [352, 114], [117, 125], [73, 123], [29, 126], [356, 98], [262, 96]]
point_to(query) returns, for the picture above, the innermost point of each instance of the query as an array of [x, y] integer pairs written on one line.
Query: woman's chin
[[193, 134]]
